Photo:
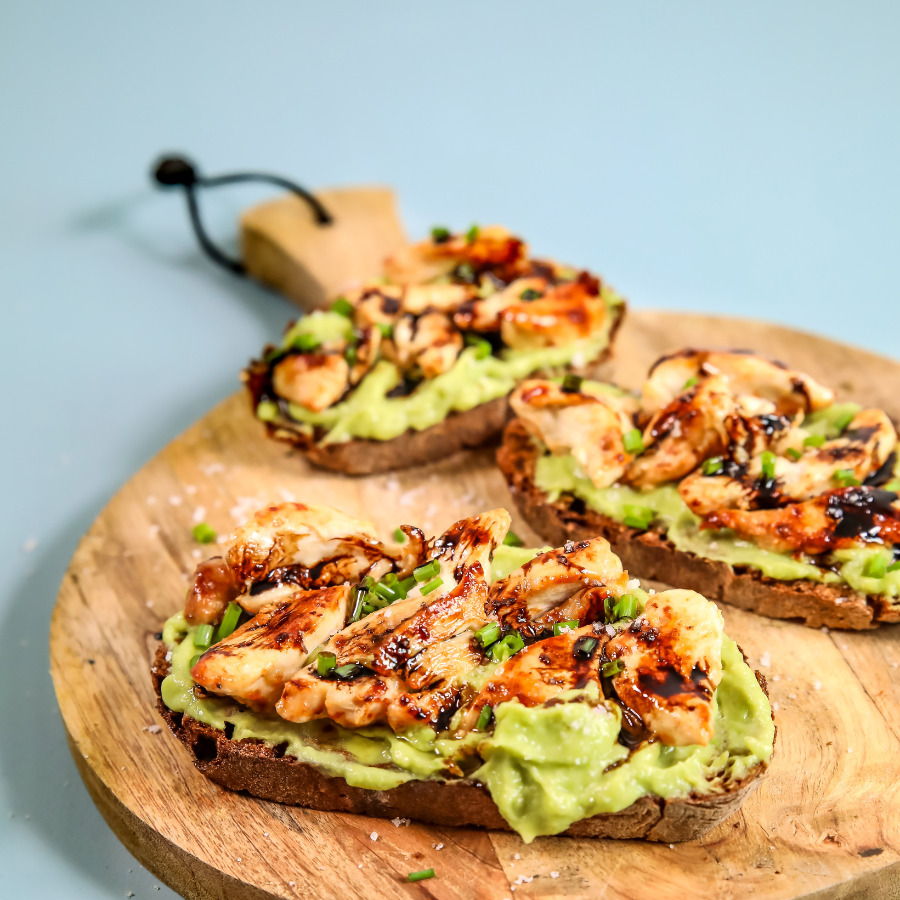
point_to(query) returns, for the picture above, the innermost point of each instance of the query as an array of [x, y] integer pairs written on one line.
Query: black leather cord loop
[[177, 171]]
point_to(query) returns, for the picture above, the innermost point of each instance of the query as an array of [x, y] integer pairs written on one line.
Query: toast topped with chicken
[[419, 363], [457, 680], [728, 473]]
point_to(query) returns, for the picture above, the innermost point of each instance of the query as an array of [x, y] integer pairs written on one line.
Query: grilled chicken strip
[[255, 661], [212, 588], [429, 341], [589, 426]]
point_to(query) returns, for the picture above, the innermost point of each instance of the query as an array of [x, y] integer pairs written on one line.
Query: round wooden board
[[825, 823]]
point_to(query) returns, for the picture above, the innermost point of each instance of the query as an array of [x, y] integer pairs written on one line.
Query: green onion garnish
[[690, 383], [203, 636], [267, 411], [505, 648], [465, 273], [386, 329], [385, 591], [306, 343], [814, 440], [568, 625], [767, 461], [530, 294], [633, 441], [194, 660], [713, 466], [613, 667], [405, 586], [844, 419], [204, 533], [484, 718], [440, 235], [488, 634], [893, 567], [571, 384], [638, 517], [472, 234], [347, 671], [626, 607], [585, 646], [427, 571], [343, 307], [513, 540], [229, 621], [432, 585], [351, 355], [892, 487], [358, 603], [793, 453], [325, 662], [420, 876], [399, 536], [483, 350], [845, 478], [875, 567]]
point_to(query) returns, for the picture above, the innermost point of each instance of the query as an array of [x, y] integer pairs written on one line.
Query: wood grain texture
[[283, 247], [824, 824]]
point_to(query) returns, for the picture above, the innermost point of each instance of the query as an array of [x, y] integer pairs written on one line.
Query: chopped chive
[[427, 571], [571, 384], [194, 660], [343, 307], [613, 667], [638, 517], [892, 487], [568, 625], [267, 411], [814, 440], [585, 646], [229, 621], [325, 662], [420, 876], [893, 567], [367, 607], [204, 533], [368, 581], [713, 466], [844, 419], [378, 600], [483, 350], [385, 591], [484, 717], [793, 453], [626, 607], [465, 273], [306, 343], [506, 647], [633, 441], [399, 535], [875, 567], [472, 234], [432, 585], [609, 604], [347, 671], [530, 294], [405, 586], [845, 478], [488, 634], [690, 383], [351, 354], [203, 636], [767, 461], [386, 329], [440, 235], [358, 603], [513, 540]]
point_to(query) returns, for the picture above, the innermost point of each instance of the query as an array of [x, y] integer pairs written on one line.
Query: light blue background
[[731, 157]]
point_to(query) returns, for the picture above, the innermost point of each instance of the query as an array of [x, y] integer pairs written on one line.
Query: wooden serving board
[[825, 823]]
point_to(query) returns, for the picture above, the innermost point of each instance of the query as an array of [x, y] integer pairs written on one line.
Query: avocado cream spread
[[557, 475], [545, 767], [369, 413]]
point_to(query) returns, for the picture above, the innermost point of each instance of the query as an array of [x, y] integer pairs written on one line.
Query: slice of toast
[[652, 556], [459, 431], [262, 771]]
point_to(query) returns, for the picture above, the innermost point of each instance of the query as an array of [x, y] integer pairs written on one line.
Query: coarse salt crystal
[[175, 500], [817, 685], [634, 583], [373, 836], [765, 660], [398, 822], [191, 489], [151, 729], [199, 514], [516, 856], [554, 874], [775, 706]]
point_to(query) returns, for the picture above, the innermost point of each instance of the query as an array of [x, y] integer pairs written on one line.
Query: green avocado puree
[[368, 413], [545, 767], [557, 475]]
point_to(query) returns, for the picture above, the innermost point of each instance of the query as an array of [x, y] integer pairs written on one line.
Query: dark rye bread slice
[[261, 771], [458, 431], [650, 555]]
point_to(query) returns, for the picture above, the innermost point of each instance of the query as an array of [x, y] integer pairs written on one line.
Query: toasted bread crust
[[251, 766], [650, 555], [458, 431]]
